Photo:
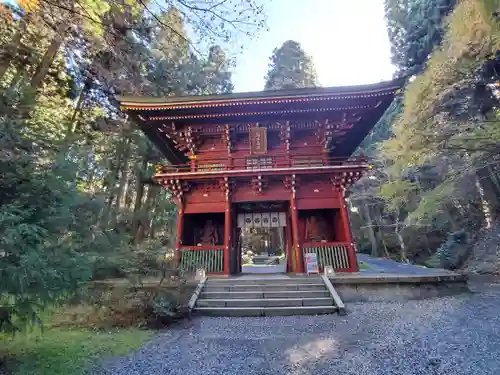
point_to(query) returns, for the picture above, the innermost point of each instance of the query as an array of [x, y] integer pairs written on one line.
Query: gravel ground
[[452, 335]]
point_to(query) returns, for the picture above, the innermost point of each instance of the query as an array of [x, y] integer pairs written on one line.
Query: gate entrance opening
[[262, 245]]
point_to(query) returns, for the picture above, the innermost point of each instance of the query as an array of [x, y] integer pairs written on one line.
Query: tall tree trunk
[[153, 204], [485, 206], [49, 56], [130, 192], [13, 47], [114, 169], [73, 124], [380, 232], [489, 192], [365, 208], [494, 180], [398, 230], [124, 178], [147, 213], [448, 212], [403, 254], [136, 219]]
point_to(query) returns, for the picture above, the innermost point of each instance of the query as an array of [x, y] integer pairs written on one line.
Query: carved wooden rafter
[[350, 117], [324, 133], [341, 181], [227, 186], [183, 140], [207, 187], [190, 140], [172, 133], [207, 129], [291, 183], [259, 184], [285, 134], [176, 187], [227, 138]]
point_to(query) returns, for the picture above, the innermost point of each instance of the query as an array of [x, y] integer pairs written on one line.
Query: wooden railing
[[333, 254], [256, 162], [210, 258]]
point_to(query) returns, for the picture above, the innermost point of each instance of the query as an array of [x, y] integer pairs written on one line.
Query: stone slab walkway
[[378, 265]]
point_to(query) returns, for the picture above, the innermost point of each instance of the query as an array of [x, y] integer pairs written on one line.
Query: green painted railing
[[333, 254], [211, 259]]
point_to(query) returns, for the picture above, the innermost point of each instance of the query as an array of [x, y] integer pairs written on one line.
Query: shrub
[[452, 253], [122, 304]]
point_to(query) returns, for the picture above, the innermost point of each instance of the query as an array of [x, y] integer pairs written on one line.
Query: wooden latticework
[[211, 260], [333, 254]]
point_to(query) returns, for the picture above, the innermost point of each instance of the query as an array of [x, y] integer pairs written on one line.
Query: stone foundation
[[398, 288]]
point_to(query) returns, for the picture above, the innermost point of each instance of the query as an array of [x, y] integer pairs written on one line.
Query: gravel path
[[453, 335]]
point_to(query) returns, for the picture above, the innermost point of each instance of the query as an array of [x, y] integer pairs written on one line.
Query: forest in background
[[76, 198], [435, 184]]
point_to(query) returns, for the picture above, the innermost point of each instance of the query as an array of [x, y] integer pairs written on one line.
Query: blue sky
[[347, 40]]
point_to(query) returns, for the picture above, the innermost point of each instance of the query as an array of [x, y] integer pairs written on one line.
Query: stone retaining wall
[[398, 288]]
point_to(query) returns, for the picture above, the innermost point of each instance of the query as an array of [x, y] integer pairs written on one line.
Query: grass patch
[[433, 262], [364, 266], [67, 352]]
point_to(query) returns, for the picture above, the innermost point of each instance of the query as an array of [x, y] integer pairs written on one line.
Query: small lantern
[[329, 271], [200, 274]]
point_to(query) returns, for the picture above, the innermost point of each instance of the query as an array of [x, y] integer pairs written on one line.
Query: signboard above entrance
[[257, 138], [262, 220]]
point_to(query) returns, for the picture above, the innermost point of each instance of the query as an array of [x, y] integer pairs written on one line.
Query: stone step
[[265, 311], [262, 288], [264, 281], [265, 302], [266, 294]]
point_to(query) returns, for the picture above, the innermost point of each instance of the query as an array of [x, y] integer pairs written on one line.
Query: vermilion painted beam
[[178, 232], [263, 171], [227, 236], [289, 245], [353, 260], [299, 268], [202, 248]]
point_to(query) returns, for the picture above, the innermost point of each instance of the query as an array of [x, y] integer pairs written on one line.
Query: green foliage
[[290, 67], [397, 193], [415, 28], [75, 197], [472, 36], [438, 167], [118, 304], [42, 224], [451, 253]]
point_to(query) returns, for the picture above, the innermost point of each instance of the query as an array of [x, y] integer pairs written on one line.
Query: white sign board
[[311, 263]]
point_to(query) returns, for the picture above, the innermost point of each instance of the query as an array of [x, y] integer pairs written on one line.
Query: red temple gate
[[275, 163]]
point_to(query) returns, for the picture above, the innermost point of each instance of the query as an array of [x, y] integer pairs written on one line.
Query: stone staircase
[[265, 296]]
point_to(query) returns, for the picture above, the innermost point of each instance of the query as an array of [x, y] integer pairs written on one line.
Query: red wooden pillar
[[299, 267], [227, 236], [289, 246], [178, 232], [346, 225]]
